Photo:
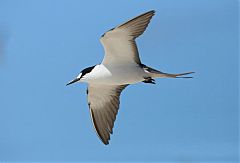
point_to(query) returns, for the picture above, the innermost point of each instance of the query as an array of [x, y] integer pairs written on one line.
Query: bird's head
[[81, 75]]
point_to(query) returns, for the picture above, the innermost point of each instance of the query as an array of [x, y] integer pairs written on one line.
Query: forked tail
[[166, 75], [158, 74]]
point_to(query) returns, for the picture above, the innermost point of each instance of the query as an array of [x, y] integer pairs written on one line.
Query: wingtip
[[106, 143], [151, 11]]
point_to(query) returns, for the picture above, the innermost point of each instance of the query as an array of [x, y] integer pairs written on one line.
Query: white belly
[[115, 75]]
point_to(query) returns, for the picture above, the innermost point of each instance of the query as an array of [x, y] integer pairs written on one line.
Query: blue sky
[[46, 43]]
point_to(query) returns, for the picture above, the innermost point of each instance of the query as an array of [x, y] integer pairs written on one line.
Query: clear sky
[[46, 43]]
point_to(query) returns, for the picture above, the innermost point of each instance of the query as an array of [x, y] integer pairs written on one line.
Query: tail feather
[[158, 74], [166, 75]]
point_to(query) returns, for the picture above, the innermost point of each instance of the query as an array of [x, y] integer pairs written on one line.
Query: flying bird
[[120, 67]]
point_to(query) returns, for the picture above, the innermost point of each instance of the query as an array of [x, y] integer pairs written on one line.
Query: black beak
[[73, 81]]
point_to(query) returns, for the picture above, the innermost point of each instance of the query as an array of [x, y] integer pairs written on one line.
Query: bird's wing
[[119, 43], [103, 101]]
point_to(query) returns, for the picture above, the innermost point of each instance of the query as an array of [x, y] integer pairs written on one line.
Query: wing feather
[[104, 104], [119, 43]]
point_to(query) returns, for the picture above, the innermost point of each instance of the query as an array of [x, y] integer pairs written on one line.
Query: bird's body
[[120, 67], [116, 75]]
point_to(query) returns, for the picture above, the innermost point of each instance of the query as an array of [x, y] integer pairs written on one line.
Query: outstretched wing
[[119, 43], [103, 101]]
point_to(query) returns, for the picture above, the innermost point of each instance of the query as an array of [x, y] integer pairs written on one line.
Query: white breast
[[115, 75]]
